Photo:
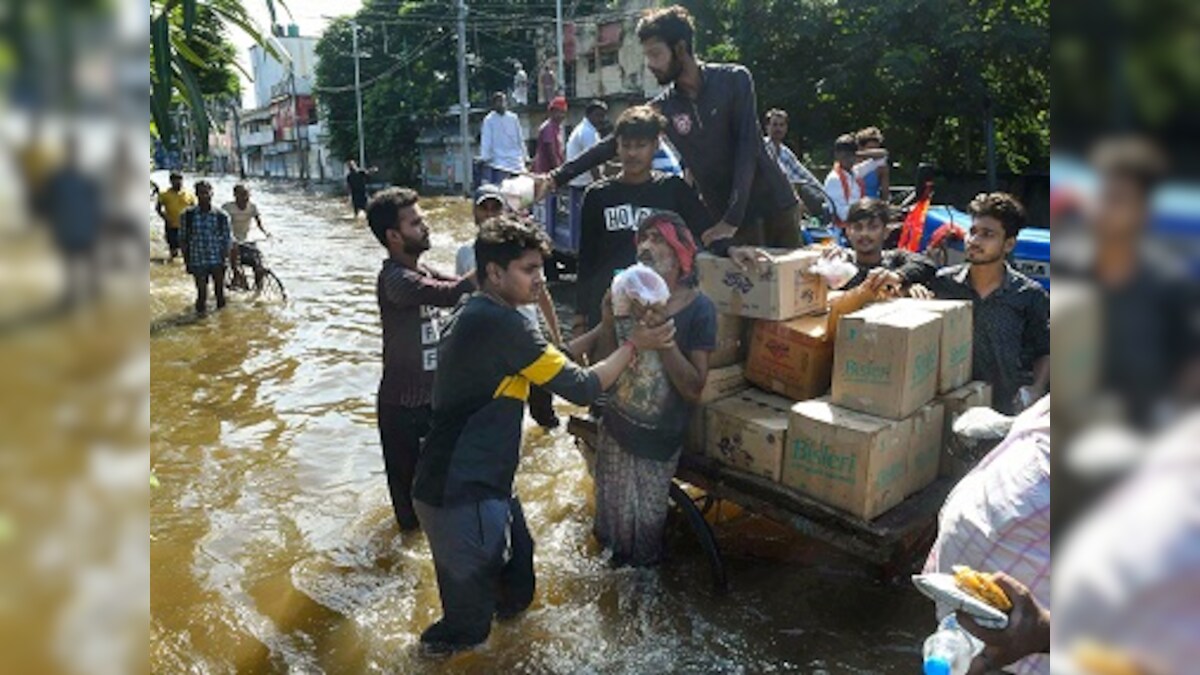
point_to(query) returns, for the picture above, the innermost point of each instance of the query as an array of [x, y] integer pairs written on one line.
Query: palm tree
[[174, 62]]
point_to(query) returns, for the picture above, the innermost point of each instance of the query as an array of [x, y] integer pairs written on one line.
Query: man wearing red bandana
[[646, 414]]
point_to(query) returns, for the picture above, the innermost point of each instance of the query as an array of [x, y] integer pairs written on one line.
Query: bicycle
[[266, 282]]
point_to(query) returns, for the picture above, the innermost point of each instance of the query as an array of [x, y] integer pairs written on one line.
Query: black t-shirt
[[645, 413], [611, 213], [479, 395], [357, 180]]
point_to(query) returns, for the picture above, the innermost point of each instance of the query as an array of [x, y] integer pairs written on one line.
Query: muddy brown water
[[274, 548]]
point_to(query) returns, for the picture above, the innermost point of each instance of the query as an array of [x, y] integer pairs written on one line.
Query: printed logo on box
[[818, 459], [959, 353], [777, 349], [869, 373], [924, 365], [890, 474], [738, 281]]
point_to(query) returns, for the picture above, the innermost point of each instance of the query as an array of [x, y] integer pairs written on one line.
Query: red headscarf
[[679, 238]]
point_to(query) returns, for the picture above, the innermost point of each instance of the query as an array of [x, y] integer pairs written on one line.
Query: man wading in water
[[410, 296], [489, 357]]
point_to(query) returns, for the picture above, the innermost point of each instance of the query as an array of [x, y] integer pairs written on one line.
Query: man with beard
[[409, 295], [491, 356], [713, 122], [1011, 311], [641, 432]]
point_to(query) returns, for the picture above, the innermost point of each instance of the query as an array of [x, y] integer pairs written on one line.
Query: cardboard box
[[780, 290], [925, 449], [958, 338], [793, 358], [731, 342], [721, 382], [849, 460], [748, 432], [885, 362], [957, 402]]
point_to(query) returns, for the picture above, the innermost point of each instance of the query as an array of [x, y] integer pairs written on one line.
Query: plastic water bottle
[[950, 650]]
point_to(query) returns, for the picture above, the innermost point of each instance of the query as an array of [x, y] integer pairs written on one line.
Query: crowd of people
[[456, 382], [209, 238]]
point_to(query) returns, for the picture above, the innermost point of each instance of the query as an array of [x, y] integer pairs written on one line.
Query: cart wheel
[[704, 534]]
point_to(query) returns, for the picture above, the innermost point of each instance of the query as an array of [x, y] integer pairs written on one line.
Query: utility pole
[[362, 153], [558, 34], [464, 104], [237, 137]]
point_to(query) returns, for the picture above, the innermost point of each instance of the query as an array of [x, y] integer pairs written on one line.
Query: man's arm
[[915, 268], [1036, 347], [160, 208], [687, 372], [690, 208], [406, 290], [598, 154], [749, 144], [486, 141]]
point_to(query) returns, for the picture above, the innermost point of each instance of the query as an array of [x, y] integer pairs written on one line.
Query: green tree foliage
[[409, 71], [192, 60], [922, 71]]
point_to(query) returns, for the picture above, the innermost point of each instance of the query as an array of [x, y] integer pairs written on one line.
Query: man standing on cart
[[713, 122]]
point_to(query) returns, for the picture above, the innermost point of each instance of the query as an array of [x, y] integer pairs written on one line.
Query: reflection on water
[[274, 547]]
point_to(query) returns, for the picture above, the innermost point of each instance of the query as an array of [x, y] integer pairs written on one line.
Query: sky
[[308, 14]]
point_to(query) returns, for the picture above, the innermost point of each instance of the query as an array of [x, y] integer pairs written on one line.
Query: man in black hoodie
[[712, 121]]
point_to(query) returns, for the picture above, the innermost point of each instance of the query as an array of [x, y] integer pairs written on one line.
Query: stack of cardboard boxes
[[861, 396]]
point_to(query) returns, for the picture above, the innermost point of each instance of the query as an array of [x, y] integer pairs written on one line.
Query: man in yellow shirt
[[171, 203]]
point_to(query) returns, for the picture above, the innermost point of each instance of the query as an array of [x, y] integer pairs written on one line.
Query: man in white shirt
[[583, 137], [502, 142], [241, 211], [844, 184]]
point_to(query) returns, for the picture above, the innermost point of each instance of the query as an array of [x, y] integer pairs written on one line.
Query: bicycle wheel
[[272, 287]]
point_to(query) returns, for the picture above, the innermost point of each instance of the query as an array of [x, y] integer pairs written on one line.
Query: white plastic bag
[[518, 192], [837, 272], [640, 284]]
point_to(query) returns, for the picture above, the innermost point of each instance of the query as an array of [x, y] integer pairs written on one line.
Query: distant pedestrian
[[547, 84], [520, 92], [876, 184], [356, 185], [807, 187], [172, 202], [585, 134], [502, 142], [204, 237], [549, 155], [844, 184]]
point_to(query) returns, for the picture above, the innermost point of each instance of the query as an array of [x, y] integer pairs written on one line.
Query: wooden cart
[[891, 542]]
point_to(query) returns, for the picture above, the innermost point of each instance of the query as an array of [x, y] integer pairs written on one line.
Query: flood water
[[274, 548]]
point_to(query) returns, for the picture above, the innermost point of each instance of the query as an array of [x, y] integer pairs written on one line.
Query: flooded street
[[274, 548]]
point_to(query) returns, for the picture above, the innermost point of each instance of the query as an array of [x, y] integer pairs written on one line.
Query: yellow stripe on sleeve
[[549, 364], [513, 386]]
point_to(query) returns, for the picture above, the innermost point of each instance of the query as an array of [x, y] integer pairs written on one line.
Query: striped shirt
[[997, 519]]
